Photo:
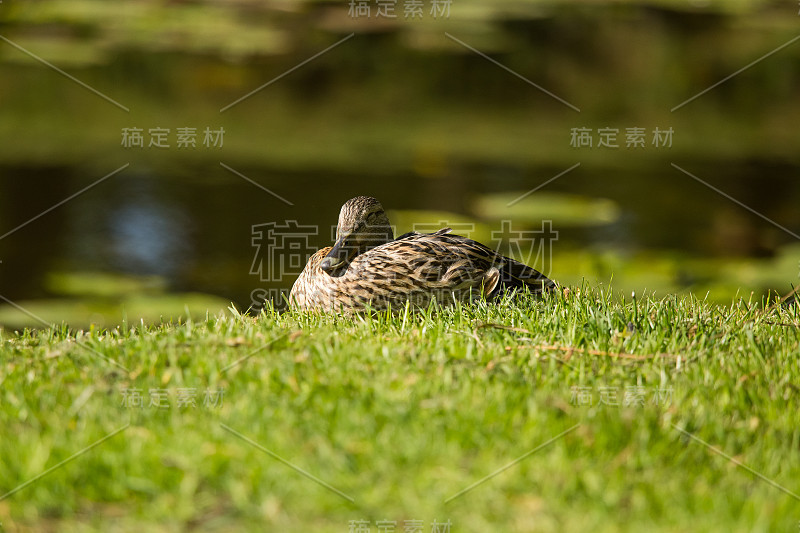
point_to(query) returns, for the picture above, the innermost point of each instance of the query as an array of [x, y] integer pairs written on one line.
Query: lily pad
[[101, 284], [562, 209]]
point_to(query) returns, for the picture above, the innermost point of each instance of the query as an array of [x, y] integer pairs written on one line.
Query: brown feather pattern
[[416, 268]]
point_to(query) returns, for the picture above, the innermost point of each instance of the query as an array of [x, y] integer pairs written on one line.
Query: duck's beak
[[339, 256]]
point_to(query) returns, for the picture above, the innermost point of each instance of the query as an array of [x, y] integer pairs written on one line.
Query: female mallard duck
[[368, 267]]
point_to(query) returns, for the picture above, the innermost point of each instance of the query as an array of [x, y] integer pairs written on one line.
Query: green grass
[[402, 412]]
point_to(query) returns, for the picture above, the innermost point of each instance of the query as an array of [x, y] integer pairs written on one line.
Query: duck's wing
[[412, 234], [513, 274], [416, 268], [420, 268]]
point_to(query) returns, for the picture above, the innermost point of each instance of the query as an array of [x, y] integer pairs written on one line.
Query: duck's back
[[513, 274], [416, 268]]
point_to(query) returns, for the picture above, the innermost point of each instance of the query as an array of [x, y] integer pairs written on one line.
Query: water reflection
[[410, 117], [147, 236], [199, 236]]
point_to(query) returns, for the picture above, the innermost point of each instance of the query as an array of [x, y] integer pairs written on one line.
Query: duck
[[368, 268]]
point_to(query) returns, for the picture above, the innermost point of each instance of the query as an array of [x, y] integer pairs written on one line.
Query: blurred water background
[[411, 110]]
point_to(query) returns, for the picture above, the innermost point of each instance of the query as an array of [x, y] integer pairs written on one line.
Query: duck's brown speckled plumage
[[416, 268]]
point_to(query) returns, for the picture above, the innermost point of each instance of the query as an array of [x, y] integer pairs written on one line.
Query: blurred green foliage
[[404, 113]]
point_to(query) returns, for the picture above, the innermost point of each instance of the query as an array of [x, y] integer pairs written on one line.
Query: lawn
[[577, 412]]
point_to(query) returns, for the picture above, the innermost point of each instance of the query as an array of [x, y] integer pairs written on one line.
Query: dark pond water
[[433, 127], [200, 237]]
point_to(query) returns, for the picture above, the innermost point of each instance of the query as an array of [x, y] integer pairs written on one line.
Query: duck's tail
[[515, 275]]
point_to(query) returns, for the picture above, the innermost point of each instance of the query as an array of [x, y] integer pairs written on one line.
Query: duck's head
[[363, 225]]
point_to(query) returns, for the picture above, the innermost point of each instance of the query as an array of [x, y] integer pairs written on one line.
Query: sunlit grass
[[402, 411]]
